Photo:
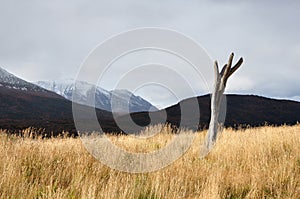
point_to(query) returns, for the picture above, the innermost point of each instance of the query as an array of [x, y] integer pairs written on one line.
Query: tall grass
[[253, 163]]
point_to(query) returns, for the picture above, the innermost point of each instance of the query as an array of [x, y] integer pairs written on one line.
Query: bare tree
[[217, 99]]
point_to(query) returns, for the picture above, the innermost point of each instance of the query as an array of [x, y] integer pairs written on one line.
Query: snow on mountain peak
[[6, 77], [9, 80], [4, 73], [103, 98]]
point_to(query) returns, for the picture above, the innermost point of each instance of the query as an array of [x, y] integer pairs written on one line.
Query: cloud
[[43, 40]]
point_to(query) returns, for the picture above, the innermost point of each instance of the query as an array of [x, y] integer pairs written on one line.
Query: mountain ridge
[[11, 81], [39, 108], [103, 98]]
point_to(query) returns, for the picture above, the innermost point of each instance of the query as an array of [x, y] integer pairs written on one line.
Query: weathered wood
[[217, 99]]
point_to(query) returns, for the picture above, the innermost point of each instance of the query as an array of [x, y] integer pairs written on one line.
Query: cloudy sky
[[48, 40]]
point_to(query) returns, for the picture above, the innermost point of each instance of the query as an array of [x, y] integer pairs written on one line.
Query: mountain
[[24, 105], [103, 98], [8, 80], [242, 111]]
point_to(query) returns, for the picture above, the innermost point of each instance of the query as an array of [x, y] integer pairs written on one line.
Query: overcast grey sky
[[48, 40]]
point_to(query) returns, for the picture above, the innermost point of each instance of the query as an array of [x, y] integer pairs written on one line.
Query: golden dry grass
[[252, 163]]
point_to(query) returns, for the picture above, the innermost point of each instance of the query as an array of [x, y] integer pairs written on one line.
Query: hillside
[[242, 110], [22, 109], [26, 105]]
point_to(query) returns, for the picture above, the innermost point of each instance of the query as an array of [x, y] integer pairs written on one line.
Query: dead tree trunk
[[216, 100]]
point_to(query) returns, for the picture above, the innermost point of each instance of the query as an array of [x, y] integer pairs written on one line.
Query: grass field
[[252, 163]]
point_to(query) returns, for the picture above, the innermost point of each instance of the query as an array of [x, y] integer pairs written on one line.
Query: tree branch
[[217, 97]]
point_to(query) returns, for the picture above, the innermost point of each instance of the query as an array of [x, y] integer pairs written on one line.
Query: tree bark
[[217, 101]]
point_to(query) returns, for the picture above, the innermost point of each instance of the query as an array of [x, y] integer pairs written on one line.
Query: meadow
[[259, 162]]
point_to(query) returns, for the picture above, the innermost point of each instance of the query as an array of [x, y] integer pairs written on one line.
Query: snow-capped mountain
[[23, 105], [120, 101], [8, 80]]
